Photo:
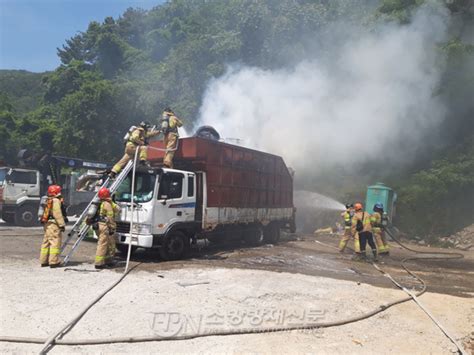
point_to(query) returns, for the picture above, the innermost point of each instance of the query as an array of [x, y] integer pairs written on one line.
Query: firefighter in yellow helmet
[[169, 126], [361, 224], [347, 216], [54, 224], [136, 140], [377, 220]]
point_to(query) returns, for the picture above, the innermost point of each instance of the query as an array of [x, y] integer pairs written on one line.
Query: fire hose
[[55, 339]]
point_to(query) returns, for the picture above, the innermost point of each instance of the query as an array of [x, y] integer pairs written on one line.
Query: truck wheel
[[26, 216], [175, 246], [123, 250], [255, 237], [272, 234]]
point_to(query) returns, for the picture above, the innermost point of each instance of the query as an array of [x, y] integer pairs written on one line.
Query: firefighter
[[136, 140], [347, 216], [107, 212], [361, 224], [54, 225], [378, 229], [169, 126]]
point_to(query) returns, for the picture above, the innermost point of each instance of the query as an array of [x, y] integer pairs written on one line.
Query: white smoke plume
[[375, 95]]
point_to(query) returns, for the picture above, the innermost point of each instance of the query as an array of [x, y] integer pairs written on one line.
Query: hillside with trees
[[120, 71], [24, 89]]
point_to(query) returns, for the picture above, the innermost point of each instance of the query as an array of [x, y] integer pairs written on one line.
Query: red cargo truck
[[215, 191]]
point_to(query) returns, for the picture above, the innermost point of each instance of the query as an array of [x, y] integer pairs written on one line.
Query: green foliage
[[438, 200], [24, 89]]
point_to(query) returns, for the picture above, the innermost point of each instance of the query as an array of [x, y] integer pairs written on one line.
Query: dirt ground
[[230, 286]]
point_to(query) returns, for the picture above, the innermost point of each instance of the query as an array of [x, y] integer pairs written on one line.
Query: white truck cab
[[163, 211], [20, 196]]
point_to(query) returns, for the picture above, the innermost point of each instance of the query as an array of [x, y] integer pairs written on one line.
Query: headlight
[[139, 228]]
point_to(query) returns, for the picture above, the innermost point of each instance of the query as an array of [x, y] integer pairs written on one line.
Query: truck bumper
[[140, 240]]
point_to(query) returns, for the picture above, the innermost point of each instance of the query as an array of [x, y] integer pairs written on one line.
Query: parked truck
[[216, 191], [22, 187]]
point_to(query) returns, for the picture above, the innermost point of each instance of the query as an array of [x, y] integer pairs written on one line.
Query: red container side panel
[[236, 176]]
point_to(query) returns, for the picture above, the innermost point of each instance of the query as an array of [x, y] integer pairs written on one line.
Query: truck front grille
[[123, 227]]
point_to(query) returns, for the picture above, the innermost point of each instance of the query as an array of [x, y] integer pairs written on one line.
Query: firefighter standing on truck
[[54, 225], [107, 212], [361, 224], [347, 216], [135, 139], [377, 219], [169, 126]]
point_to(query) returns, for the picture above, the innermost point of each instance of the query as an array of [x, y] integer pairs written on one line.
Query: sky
[[31, 30]]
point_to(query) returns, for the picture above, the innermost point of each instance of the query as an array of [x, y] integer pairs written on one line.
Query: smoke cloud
[[374, 97]]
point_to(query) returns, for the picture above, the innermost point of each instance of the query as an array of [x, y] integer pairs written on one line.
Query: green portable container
[[384, 194]]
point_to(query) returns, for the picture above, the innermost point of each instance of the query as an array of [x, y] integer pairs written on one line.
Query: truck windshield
[[144, 187], [21, 177]]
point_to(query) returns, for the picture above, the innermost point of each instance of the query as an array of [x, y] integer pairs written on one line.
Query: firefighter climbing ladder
[[80, 228]]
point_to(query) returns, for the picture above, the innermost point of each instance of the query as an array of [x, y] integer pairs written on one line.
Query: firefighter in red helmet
[[53, 220], [108, 211]]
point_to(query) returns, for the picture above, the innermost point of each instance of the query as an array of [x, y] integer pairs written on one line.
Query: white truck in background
[[21, 188]]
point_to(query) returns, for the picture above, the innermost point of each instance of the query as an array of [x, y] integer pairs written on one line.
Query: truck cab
[[20, 196], [164, 211]]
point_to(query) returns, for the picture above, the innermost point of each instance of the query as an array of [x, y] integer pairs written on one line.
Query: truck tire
[[26, 216], [255, 236], [175, 246], [272, 234], [123, 250]]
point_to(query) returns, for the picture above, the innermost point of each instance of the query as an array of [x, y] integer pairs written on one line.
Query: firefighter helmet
[[378, 206], [104, 193], [54, 190], [358, 206], [145, 124]]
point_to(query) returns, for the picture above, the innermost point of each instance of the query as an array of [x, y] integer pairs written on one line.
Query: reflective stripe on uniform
[[44, 250], [54, 251], [100, 258]]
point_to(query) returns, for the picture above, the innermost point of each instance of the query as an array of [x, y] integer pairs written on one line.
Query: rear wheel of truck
[[255, 236], [175, 246], [272, 234], [123, 250], [25, 216]]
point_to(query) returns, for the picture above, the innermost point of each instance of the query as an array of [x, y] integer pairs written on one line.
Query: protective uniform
[[171, 136], [54, 225], [377, 228], [347, 216], [365, 236], [136, 140], [108, 210]]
